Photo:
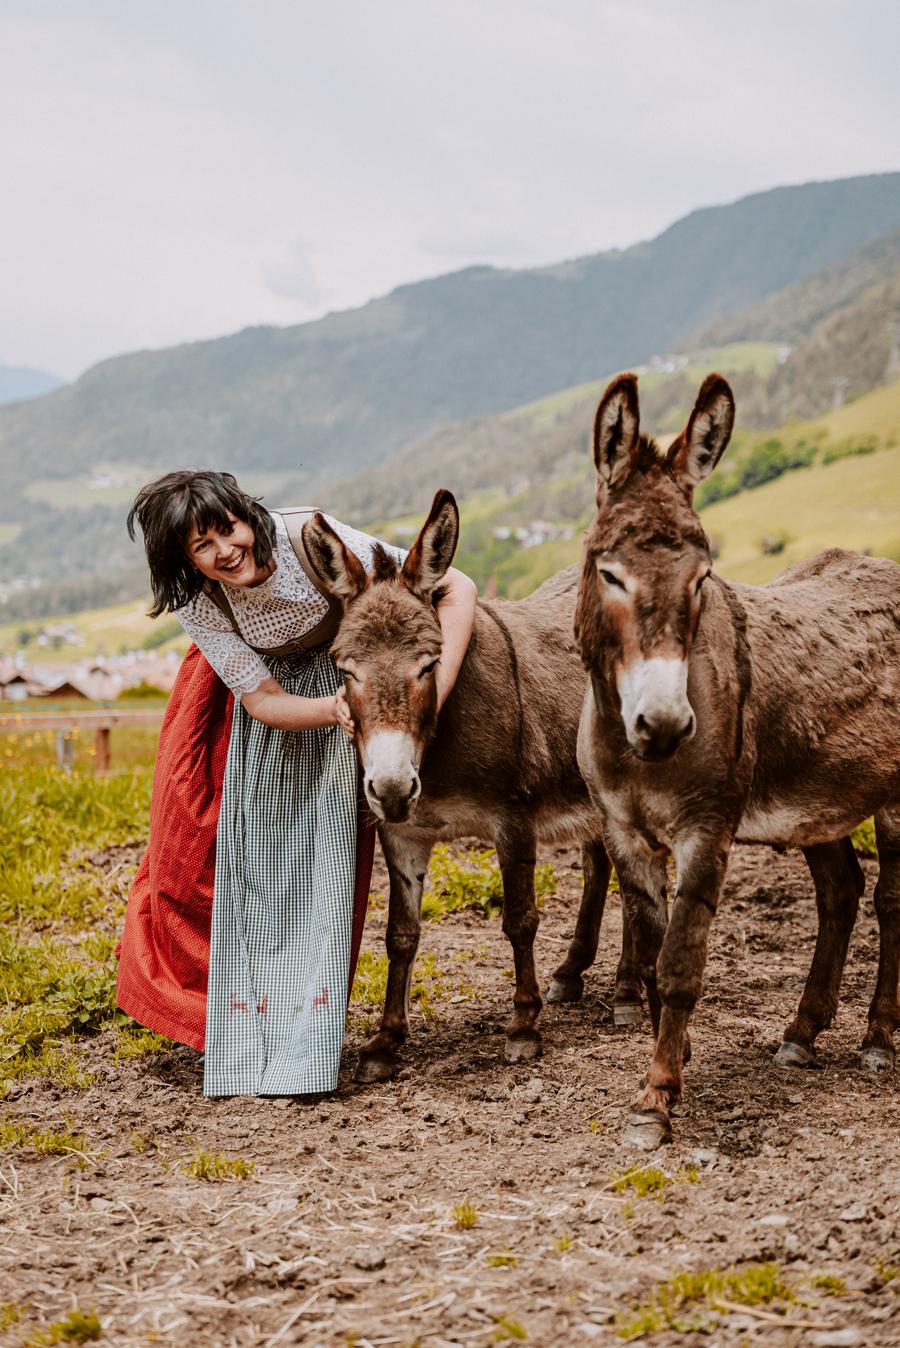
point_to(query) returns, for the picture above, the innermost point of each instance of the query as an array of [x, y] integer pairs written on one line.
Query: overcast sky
[[183, 168]]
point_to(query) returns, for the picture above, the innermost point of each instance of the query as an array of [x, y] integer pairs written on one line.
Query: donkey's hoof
[[567, 989], [375, 1067], [875, 1059], [794, 1055], [523, 1046], [627, 1015], [647, 1129]]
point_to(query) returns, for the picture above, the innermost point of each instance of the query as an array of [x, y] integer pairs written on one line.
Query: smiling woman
[[246, 914]]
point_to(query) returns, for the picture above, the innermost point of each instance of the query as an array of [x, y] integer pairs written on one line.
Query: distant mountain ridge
[[322, 398], [18, 382], [400, 380]]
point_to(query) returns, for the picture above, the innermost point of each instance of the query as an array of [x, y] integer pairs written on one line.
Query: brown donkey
[[718, 711], [499, 761]]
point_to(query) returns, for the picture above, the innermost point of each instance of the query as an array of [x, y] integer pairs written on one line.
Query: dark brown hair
[[168, 509]]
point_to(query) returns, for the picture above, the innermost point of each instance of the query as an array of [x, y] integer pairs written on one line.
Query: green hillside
[[318, 401], [791, 313], [848, 496]]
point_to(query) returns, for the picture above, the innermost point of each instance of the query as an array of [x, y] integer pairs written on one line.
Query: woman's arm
[[273, 706], [456, 614]]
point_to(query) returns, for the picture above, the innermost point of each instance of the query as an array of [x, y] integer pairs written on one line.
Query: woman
[[256, 818]]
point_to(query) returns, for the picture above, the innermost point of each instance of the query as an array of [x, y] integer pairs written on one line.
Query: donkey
[[718, 711], [499, 760]]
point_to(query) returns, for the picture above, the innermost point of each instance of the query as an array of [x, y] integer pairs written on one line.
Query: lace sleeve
[[236, 664]]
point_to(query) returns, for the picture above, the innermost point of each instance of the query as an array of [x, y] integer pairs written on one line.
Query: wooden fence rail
[[63, 722]]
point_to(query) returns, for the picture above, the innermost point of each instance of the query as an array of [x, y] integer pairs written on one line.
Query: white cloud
[[160, 162]]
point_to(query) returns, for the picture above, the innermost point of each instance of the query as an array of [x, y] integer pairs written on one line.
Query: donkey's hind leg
[[406, 852], [516, 846], [839, 882], [567, 984], [628, 1008], [884, 1014]]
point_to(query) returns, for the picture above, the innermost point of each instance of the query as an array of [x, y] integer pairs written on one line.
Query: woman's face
[[227, 556]]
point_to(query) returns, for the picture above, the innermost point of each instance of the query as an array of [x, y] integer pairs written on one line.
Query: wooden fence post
[[65, 749], [102, 749]]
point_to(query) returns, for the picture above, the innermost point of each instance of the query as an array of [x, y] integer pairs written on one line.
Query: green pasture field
[[105, 631]]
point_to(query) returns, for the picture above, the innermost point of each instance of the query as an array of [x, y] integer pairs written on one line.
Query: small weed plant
[[501, 1259], [19, 1135], [465, 1216], [829, 1284], [216, 1166], [507, 1329], [685, 1301], [76, 1328]]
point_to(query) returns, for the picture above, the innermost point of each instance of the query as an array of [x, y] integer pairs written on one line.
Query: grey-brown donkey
[[500, 761], [718, 711]]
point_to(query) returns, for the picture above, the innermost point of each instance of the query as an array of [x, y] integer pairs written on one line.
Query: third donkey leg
[[878, 1053], [839, 883], [567, 984], [516, 847], [406, 852]]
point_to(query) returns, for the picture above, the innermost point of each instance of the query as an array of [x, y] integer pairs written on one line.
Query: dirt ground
[[345, 1234]]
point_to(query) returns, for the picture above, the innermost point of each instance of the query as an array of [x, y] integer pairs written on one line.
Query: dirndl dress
[[246, 914]]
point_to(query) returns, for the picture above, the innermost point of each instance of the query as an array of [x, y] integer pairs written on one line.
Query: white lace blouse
[[279, 610]]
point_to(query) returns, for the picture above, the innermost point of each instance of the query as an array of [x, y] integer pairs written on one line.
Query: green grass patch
[[472, 881], [649, 1181], [507, 1329], [465, 1216], [863, 839], [136, 1042], [829, 1284], [501, 1259], [20, 1135], [49, 820], [429, 982], [216, 1166], [684, 1301], [75, 1328]]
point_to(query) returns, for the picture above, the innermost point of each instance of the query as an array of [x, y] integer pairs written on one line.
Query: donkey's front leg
[[406, 852], [516, 846], [567, 984], [701, 863]]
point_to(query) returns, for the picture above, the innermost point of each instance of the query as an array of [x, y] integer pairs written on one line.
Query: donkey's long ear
[[431, 554], [617, 429], [338, 570], [695, 452]]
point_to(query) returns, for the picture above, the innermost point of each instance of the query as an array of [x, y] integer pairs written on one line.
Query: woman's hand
[[342, 712]]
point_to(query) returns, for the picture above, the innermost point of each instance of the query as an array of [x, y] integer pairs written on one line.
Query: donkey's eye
[[346, 674], [427, 669], [699, 581], [611, 578]]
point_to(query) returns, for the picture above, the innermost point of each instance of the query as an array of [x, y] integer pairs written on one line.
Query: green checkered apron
[[283, 899]]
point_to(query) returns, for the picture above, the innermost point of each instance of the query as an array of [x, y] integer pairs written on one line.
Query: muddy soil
[[346, 1234]]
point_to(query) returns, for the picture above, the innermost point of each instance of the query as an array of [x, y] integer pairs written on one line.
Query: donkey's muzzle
[[392, 800], [391, 774], [656, 738]]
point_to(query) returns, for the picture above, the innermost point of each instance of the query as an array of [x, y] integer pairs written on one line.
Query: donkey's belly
[[797, 824], [460, 816]]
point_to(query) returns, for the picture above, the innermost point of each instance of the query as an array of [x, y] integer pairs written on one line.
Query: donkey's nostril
[[641, 724]]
